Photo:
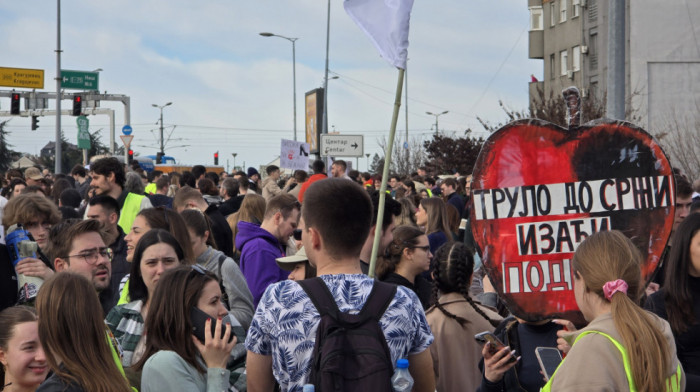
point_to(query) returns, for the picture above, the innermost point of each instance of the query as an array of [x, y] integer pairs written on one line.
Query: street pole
[[615, 107], [324, 128], [436, 119], [162, 140], [294, 75], [57, 149]]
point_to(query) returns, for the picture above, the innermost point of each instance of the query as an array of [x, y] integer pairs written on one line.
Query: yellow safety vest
[[673, 383], [124, 297], [131, 207]]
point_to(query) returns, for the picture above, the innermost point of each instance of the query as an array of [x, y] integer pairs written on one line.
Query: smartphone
[[496, 344], [199, 320], [549, 359]]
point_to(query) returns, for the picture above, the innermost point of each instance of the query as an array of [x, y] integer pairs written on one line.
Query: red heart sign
[[539, 190]]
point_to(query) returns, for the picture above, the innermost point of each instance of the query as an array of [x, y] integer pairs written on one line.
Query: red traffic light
[[78, 98], [15, 96], [14, 103], [131, 152], [216, 155]]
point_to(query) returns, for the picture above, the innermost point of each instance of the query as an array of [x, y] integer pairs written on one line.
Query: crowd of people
[[113, 279]]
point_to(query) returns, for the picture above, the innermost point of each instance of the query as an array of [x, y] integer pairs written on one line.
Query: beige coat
[[455, 353], [595, 364], [270, 189]]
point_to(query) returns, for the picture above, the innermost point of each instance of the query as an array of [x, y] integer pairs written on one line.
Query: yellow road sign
[[21, 77]]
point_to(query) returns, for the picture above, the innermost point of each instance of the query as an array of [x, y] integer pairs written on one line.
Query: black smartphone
[[297, 234], [496, 344], [199, 322], [549, 359]]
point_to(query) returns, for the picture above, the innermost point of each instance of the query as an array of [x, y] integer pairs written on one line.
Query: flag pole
[[385, 174]]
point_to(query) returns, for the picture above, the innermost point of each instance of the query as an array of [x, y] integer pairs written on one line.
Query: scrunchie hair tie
[[612, 287]]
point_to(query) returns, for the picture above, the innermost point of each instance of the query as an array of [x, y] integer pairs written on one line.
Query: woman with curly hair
[[455, 319]]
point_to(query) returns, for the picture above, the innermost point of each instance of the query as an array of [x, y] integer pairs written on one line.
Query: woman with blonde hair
[[623, 348], [75, 338], [252, 210]]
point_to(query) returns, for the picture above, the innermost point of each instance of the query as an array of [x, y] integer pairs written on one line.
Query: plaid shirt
[[126, 324]]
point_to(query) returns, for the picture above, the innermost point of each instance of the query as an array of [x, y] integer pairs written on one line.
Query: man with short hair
[[108, 178], [392, 209], [336, 218], [338, 169], [319, 169], [199, 172], [261, 245], [243, 183], [160, 197], [82, 181], [230, 192], [300, 177], [79, 246], [152, 177], [448, 189], [105, 210], [190, 198], [270, 188]]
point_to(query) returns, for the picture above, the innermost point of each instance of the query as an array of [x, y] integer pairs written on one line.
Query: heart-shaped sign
[[539, 190]]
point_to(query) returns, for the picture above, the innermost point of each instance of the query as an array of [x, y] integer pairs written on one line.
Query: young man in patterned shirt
[[335, 221]]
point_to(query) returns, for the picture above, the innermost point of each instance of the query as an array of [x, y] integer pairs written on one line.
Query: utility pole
[[162, 140], [615, 107], [57, 149], [437, 130]]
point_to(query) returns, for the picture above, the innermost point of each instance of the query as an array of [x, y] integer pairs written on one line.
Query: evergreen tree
[[6, 154]]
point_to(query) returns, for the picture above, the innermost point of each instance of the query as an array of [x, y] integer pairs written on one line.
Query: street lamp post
[[162, 143], [436, 119], [294, 74], [234, 160], [367, 155]]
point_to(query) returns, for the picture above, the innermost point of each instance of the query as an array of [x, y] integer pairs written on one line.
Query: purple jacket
[[259, 249]]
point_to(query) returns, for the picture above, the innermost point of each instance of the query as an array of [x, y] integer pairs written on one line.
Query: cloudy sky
[[232, 89]]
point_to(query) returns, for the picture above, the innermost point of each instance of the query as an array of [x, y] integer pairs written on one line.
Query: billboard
[[313, 118]]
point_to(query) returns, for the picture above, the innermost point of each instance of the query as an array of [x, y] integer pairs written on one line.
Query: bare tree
[[679, 136], [405, 157]]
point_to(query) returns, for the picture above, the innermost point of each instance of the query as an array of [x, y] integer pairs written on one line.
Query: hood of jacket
[[250, 231]]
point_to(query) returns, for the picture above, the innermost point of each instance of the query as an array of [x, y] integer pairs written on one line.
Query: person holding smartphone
[[174, 358], [623, 347]]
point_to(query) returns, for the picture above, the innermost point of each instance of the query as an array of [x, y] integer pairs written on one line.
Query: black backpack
[[351, 353]]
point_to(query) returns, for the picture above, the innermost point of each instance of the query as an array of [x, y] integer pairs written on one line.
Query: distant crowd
[[114, 279]]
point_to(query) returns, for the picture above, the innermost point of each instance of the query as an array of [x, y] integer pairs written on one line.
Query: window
[[564, 59], [562, 11], [552, 14], [576, 58], [552, 66], [536, 18], [576, 11]]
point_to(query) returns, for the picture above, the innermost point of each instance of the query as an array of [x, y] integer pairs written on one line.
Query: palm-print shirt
[[285, 324]]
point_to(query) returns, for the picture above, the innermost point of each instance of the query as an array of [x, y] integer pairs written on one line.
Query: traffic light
[[159, 157], [14, 105], [216, 158], [35, 123], [77, 105], [131, 156]]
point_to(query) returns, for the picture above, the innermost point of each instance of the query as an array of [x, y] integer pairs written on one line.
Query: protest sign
[[539, 190], [294, 155]]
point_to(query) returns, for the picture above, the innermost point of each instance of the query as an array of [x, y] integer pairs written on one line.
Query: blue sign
[[405, 145], [127, 130]]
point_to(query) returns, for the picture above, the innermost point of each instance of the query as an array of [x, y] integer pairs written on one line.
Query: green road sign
[[79, 80], [83, 135]]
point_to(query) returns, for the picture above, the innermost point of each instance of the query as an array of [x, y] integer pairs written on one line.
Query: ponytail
[[607, 260]]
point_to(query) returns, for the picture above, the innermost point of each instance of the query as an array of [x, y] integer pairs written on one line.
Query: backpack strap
[[378, 300], [222, 258], [321, 297]]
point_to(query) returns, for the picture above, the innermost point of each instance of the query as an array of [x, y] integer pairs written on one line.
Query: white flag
[[386, 24]]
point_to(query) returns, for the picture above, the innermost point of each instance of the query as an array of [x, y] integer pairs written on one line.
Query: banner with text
[[539, 190]]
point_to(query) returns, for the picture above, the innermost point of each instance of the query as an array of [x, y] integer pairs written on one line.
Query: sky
[[231, 89]]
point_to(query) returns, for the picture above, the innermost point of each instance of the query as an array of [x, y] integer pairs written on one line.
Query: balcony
[[536, 44]]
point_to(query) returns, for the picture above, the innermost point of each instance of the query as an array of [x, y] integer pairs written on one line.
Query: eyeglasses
[[91, 256], [425, 248]]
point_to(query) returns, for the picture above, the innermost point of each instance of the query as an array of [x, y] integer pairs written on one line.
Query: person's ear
[[407, 252], [278, 218], [3, 359], [206, 235], [315, 238], [113, 218], [111, 177], [60, 264]]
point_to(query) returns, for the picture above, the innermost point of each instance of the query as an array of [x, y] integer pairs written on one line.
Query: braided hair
[[404, 237], [452, 268]]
